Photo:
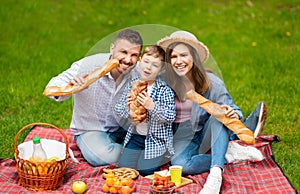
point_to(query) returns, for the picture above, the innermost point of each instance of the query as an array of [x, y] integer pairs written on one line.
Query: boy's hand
[[229, 112], [128, 100], [133, 122], [145, 100]]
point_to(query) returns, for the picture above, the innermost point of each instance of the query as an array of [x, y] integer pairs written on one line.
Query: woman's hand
[[145, 100], [229, 112]]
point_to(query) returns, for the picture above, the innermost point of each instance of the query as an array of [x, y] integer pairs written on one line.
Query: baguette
[[244, 134], [91, 78]]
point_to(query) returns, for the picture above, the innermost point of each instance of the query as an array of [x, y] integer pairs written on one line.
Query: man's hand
[[79, 80]]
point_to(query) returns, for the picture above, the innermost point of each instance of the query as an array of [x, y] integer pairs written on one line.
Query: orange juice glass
[[176, 174]]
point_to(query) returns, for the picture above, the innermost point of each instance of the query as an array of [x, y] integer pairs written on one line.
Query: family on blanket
[[176, 130]]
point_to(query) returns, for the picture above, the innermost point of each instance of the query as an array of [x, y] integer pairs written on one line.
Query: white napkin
[[51, 147]]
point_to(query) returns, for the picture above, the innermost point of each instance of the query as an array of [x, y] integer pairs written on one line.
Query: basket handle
[[40, 124]]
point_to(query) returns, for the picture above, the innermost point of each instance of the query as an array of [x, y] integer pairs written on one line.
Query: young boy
[[148, 143]]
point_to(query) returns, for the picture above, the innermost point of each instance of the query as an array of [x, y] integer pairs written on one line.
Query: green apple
[[78, 187]]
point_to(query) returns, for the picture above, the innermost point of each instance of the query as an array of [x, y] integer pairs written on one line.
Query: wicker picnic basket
[[40, 176]]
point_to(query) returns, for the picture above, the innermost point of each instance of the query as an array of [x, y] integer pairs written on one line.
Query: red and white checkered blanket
[[242, 177]]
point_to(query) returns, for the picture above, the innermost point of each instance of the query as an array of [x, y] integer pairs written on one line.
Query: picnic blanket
[[242, 177]]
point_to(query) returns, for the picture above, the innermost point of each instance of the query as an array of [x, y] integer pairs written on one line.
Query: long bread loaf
[[244, 134], [91, 78]]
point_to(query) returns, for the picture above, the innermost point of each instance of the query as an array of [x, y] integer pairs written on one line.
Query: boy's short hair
[[155, 51]]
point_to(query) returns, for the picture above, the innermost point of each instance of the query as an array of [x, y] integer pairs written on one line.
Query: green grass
[[256, 47]]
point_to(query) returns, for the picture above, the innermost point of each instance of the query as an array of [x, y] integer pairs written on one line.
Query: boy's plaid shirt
[[159, 120]]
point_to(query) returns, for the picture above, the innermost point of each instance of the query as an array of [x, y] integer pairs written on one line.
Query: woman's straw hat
[[186, 37]]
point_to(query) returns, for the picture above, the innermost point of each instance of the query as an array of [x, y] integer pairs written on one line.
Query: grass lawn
[[256, 45]]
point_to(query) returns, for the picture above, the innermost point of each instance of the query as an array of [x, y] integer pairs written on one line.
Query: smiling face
[[150, 67], [127, 53], [185, 70], [181, 60]]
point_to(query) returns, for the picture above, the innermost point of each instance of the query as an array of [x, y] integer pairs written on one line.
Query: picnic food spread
[[119, 180], [41, 164], [44, 175], [161, 182], [165, 175], [137, 112], [234, 174], [88, 80], [244, 134], [120, 173]]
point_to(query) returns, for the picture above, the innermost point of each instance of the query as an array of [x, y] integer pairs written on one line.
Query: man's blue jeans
[[101, 148]]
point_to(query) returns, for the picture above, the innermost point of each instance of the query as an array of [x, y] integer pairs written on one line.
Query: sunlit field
[[255, 43]]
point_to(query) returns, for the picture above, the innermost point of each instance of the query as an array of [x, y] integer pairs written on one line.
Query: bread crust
[[138, 113], [88, 80], [121, 172], [234, 124]]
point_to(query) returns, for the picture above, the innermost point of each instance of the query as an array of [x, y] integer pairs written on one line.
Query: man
[[96, 130]]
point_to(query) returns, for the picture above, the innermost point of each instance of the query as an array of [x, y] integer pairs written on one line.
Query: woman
[[196, 131]]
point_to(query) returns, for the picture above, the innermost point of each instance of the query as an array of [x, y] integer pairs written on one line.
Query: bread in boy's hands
[[138, 113]]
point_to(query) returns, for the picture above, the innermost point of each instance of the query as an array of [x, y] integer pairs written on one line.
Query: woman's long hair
[[198, 81]]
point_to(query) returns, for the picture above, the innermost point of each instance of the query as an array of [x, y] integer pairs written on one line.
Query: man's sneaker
[[212, 185], [261, 119], [236, 152]]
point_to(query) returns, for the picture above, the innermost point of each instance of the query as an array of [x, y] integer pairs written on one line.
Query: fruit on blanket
[[116, 181], [113, 190], [114, 184], [127, 182], [110, 181], [105, 188], [161, 184], [78, 187], [125, 190]]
